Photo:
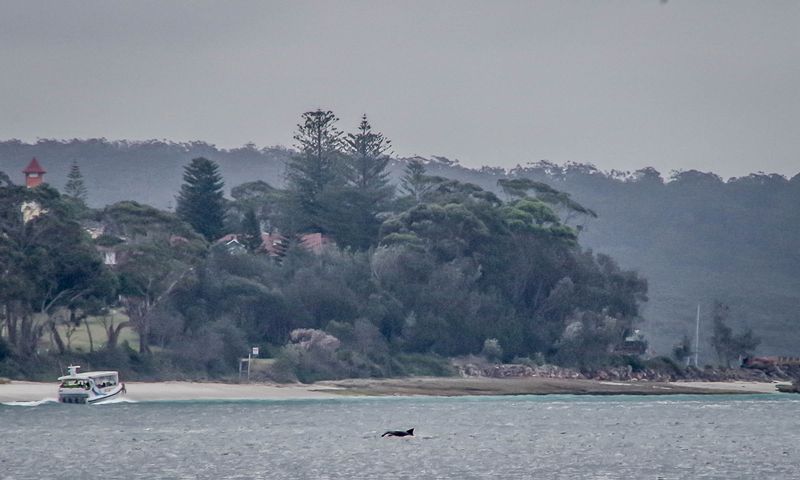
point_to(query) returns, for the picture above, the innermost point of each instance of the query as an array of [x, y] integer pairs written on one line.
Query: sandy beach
[[17, 391], [744, 387]]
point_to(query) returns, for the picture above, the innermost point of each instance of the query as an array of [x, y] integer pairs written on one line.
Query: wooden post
[[249, 356]]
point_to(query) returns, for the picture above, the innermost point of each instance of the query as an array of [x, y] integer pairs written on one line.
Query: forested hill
[[149, 171], [695, 237]]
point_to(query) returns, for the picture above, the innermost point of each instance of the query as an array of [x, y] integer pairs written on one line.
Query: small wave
[[34, 403]]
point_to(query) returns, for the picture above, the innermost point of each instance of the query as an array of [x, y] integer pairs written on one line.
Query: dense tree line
[[693, 235], [440, 268], [698, 239]]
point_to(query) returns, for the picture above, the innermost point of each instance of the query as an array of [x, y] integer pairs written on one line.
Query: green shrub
[[492, 350], [636, 363], [421, 364], [665, 365], [536, 361]]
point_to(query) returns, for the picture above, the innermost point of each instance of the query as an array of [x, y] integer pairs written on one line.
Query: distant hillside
[[696, 238], [149, 172]]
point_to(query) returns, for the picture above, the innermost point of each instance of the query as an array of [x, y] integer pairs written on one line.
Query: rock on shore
[[478, 367]]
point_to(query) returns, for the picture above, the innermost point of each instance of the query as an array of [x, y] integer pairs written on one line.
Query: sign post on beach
[[253, 352]]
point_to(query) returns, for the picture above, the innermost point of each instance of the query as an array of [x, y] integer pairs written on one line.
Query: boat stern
[[72, 397]]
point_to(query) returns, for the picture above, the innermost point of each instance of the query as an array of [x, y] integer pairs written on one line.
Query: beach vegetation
[[728, 346]]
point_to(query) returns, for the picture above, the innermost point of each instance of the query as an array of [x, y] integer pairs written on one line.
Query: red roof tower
[[34, 174]]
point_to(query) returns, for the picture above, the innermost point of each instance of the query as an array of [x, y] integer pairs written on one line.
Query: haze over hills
[[696, 238]]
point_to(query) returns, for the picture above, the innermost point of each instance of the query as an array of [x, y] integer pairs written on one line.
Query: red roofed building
[[315, 242], [34, 174], [274, 244]]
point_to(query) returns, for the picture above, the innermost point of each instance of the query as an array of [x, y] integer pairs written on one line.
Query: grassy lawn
[[80, 339], [259, 365]]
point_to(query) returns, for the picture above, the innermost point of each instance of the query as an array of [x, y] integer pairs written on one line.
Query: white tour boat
[[89, 387]]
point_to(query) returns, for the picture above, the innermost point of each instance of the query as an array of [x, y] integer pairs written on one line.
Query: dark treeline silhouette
[[395, 282], [698, 240], [695, 237], [146, 171]]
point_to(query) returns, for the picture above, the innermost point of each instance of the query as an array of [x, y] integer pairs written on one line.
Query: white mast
[[697, 336]]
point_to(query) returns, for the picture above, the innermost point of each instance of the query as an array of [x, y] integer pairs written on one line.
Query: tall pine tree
[[415, 182], [368, 190], [251, 231], [75, 186], [200, 201], [368, 158], [315, 170]]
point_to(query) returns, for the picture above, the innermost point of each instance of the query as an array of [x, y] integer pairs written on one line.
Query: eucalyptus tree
[[158, 254], [47, 264], [518, 188], [266, 201]]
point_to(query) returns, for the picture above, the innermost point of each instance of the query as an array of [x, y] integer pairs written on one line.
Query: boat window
[[72, 383], [103, 382]]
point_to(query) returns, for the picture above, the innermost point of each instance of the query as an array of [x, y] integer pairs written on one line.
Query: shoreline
[[460, 386], [20, 391]]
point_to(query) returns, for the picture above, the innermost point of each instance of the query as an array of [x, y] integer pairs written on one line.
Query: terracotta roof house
[[34, 174], [315, 242], [274, 244]]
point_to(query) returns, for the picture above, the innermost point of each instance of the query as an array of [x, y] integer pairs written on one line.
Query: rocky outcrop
[[478, 367]]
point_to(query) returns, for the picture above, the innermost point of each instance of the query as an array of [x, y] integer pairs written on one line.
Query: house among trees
[[93, 228], [275, 244], [109, 255], [315, 242], [633, 344], [232, 244], [34, 174]]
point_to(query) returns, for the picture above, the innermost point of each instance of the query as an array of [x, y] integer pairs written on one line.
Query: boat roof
[[87, 375]]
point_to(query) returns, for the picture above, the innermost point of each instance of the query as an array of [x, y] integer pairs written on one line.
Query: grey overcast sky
[[709, 85]]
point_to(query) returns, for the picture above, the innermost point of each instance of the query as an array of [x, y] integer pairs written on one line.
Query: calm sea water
[[721, 437]]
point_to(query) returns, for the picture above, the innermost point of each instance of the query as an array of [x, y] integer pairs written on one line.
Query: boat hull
[[91, 396]]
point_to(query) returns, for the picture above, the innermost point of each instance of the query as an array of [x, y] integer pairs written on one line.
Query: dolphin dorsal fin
[[410, 432]]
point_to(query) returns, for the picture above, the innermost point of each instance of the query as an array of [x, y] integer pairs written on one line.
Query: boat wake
[[47, 401], [112, 401], [34, 403]]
